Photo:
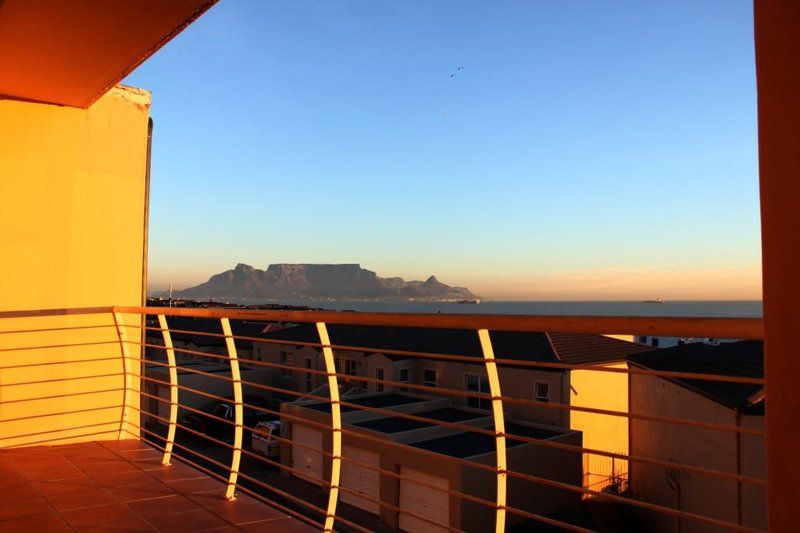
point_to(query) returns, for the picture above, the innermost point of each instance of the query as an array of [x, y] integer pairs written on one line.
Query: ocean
[[709, 308]]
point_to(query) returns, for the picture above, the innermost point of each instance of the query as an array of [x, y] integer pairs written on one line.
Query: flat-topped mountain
[[318, 282]]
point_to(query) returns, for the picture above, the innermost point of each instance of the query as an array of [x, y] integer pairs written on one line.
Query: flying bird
[[453, 75]]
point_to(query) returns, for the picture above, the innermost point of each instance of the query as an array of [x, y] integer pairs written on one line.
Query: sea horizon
[[688, 308]]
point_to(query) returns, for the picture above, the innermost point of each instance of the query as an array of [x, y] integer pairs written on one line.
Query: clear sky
[[586, 150]]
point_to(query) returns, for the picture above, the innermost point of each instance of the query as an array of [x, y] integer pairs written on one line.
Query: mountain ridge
[[305, 281]]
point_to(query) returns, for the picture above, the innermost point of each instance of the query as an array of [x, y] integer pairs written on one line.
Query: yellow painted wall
[[600, 390], [72, 234]]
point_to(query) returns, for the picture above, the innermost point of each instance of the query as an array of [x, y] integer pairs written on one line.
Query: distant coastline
[[688, 308]]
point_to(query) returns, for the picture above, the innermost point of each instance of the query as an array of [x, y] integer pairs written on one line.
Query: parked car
[[210, 424], [264, 441]]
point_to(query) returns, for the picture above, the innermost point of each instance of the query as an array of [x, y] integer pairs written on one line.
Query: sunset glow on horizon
[[527, 151]]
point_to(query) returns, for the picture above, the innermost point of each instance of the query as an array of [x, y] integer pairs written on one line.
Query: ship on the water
[[656, 301]]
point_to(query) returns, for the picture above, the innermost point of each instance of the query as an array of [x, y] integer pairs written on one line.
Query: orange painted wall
[[72, 234]]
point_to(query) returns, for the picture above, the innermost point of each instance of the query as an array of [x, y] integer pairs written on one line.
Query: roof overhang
[[72, 52]]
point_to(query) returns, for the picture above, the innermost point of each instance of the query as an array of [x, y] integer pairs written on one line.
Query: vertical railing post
[[124, 353], [238, 409], [173, 389], [499, 427], [336, 425]]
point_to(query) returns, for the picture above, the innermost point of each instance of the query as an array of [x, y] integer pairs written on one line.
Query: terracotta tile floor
[[120, 486]]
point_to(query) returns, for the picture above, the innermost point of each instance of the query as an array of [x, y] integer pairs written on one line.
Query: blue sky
[[586, 150]]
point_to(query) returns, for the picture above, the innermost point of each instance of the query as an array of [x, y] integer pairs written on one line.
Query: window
[[654, 342], [379, 378], [286, 358], [348, 367], [541, 391], [429, 377], [474, 383], [404, 376], [258, 354], [643, 339], [309, 376]]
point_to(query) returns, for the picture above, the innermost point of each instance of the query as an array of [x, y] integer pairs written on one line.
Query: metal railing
[[126, 330]]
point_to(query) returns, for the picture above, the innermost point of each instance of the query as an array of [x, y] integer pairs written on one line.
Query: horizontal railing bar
[[47, 346], [500, 361], [220, 478], [304, 446], [356, 462], [535, 479], [223, 443], [348, 377], [225, 467], [45, 415], [349, 460], [60, 430], [67, 362], [54, 439], [56, 312], [57, 396], [46, 330], [293, 470], [568, 447], [58, 380], [631, 501], [720, 328]]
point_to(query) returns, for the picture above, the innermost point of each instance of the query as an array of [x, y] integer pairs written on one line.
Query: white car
[[264, 441]]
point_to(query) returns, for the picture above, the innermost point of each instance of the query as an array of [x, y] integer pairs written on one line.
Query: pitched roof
[[199, 325], [579, 348], [522, 346], [743, 359]]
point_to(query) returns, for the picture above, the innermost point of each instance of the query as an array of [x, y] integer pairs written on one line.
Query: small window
[[404, 376], [258, 354], [643, 339], [379, 378], [541, 391], [474, 383], [429, 377], [309, 376], [348, 367], [286, 359], [654, 342]]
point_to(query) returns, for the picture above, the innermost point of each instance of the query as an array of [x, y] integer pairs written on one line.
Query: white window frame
[[479, 403], [435, 377], [407, 379], [536, 391]]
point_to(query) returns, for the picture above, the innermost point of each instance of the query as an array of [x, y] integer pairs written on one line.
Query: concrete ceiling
[[70, 52]]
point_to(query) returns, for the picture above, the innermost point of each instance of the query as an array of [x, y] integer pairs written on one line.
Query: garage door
[[304, 460], [423, 501], [363, 480]]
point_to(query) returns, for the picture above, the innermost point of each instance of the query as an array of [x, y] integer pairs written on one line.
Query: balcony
[[94, 402], [120, 485]]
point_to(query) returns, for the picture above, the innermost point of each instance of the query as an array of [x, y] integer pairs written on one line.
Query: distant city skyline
[[495, 145]]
